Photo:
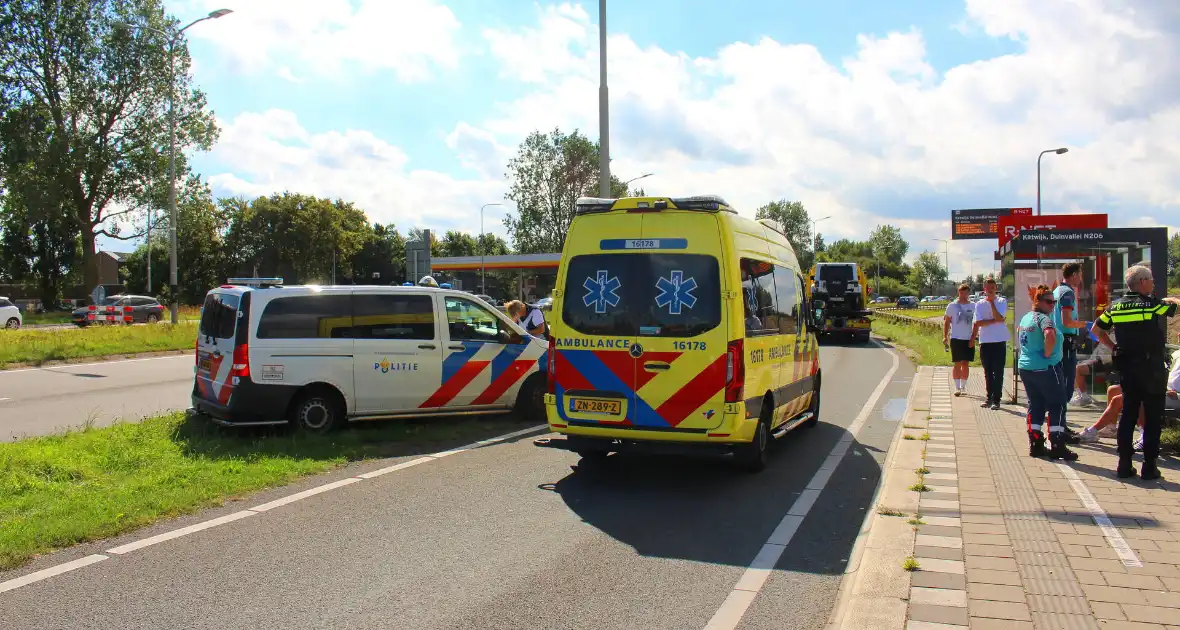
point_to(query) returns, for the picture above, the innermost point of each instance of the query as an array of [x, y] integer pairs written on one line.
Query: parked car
[[10, 315], [907, 301], [880, 299], [545, 303], [112, 310]]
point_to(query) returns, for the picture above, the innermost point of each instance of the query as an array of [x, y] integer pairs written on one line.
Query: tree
[[796, 224], [888, 244], [928, 272], [492, 245], [202, 256], [38, 247], [417, 235], [299, 238], [96, 93], [455, 243], [548, 175], [383, 253], [1174, 261]]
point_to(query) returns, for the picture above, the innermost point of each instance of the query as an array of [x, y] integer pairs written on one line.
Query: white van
[[319, 356]]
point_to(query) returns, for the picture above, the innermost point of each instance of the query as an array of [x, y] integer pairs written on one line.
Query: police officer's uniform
[[1139, 358]]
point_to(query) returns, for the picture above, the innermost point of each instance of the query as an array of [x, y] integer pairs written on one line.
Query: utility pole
[[603, 108], [1058, 152]]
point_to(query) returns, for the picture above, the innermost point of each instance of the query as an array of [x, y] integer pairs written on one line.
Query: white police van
[[317, 357]]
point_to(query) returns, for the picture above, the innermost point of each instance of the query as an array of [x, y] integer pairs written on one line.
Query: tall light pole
[[172, 39], [603, 108], [947, 244], [1058, 152], [814, 236], [483, 251]]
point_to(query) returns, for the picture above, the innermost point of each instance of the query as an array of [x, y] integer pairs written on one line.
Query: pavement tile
[[995, 551], [1173, 583], [985, 528], [930, 540], [985, 539], [996, 592], [940, 553], [1157, 569], [1077, 551], [1064, 588], [931, 579], [938, 596], [1149, 614], [1132, 580], [979, 517], [1103, 552], [940, 530], [1128, 625], [1107, 610], [1078, 539], [1090, 577], [1098, 564], [984, 623], [1017, 611], [991, 576], [941, 566], [1114, 594], [939, 614], [1058, 621], [1059, 605], [986, 562], [1164, 599], [926, 625]]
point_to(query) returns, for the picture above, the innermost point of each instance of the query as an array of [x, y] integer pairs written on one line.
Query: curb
[[852, 571]]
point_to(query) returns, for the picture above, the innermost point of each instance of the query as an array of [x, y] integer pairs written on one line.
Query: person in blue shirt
[[1040, 371], [1065, 314]]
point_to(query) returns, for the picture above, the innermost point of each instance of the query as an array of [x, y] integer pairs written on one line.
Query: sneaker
[[958, 392], [1081, 399], [995, 406], [985, 404], [1139, 443], [1089, 435], [1110, 431]]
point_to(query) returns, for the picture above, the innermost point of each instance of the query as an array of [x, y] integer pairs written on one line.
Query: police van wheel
[[318, 410], [813, 407], [753, 457], [530, 401]]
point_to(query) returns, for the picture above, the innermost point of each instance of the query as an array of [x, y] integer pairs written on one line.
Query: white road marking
[[730, 614], [258, 509], [1112, 534], [45, 574], [51, 368], [4, 399]]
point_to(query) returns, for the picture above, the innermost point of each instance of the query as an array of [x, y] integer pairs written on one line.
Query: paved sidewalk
[[1010, 541]]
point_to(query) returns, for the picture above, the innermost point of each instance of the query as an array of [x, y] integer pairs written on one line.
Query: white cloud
[[329, 39], [271, 152]]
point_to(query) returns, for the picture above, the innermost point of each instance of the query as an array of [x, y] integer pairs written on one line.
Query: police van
[[678, 323], [317, 357]]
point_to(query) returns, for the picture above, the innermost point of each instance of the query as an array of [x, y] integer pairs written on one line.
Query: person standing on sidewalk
[[956, 332], [1140, 359], [991, 329], [1040, 371], [1065, 319]]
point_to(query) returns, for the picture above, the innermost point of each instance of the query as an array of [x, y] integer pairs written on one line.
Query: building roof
[[118, 256], [517, 261]]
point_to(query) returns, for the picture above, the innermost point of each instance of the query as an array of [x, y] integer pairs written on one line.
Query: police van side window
[[758, 295], [468, 321], [393, 317], [307, 317], [219, 316], [787, 297]]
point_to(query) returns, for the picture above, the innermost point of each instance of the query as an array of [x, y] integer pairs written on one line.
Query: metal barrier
[[934, 324]]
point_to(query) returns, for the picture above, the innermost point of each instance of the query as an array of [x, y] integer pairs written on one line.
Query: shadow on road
[[199, 436], [706, 510]]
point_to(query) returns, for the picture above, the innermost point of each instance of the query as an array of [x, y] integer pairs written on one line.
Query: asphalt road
[[505, 536], [46, 400]]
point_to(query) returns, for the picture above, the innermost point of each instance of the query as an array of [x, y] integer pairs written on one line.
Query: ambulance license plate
[[205, 365], [594, 405]]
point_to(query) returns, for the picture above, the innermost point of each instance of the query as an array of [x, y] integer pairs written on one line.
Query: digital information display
[[980, 224]]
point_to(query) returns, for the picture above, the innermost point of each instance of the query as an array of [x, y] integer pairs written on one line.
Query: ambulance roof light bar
[[709, 203], [260, 283]]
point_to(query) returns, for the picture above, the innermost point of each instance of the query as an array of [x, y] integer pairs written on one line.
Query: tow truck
[[839, 293]]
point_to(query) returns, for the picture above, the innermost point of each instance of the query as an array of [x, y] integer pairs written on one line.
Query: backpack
[[529, 312]]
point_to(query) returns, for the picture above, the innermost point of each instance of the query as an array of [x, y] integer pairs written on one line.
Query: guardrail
[[919, 307], [934, 324]]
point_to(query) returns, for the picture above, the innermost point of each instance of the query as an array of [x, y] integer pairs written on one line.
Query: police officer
[[1139, 357]]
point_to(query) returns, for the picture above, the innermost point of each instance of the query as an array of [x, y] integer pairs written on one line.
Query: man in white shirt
[[991, 330], [1172, 402], [957, 324]]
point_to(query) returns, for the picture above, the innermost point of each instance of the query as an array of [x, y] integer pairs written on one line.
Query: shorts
[[961, 350]]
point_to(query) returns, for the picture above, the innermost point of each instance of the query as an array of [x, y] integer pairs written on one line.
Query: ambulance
[[678, 325], [319, 357]]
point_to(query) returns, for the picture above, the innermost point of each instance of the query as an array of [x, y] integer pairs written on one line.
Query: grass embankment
[[186, 313], [90, 484], [35, 347]]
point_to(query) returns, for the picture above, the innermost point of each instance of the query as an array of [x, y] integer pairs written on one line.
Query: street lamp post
[[1058, 152], [172, 39], [813, 234], [947, 249], [483, 251], [603, 108], [635, 179]]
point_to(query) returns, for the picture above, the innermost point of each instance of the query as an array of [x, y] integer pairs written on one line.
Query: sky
[[868, 112]]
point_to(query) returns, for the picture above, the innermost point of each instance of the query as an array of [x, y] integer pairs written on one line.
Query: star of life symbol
[[601, 291], [676, 292]]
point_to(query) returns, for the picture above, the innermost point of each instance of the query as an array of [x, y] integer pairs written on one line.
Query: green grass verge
[[35, 347], [93, 483], [1170, 438]]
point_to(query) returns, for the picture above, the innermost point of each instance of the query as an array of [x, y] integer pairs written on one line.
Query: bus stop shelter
[[1035, 257]]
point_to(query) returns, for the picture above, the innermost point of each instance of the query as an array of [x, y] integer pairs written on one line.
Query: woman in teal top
[[1040, 371]]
